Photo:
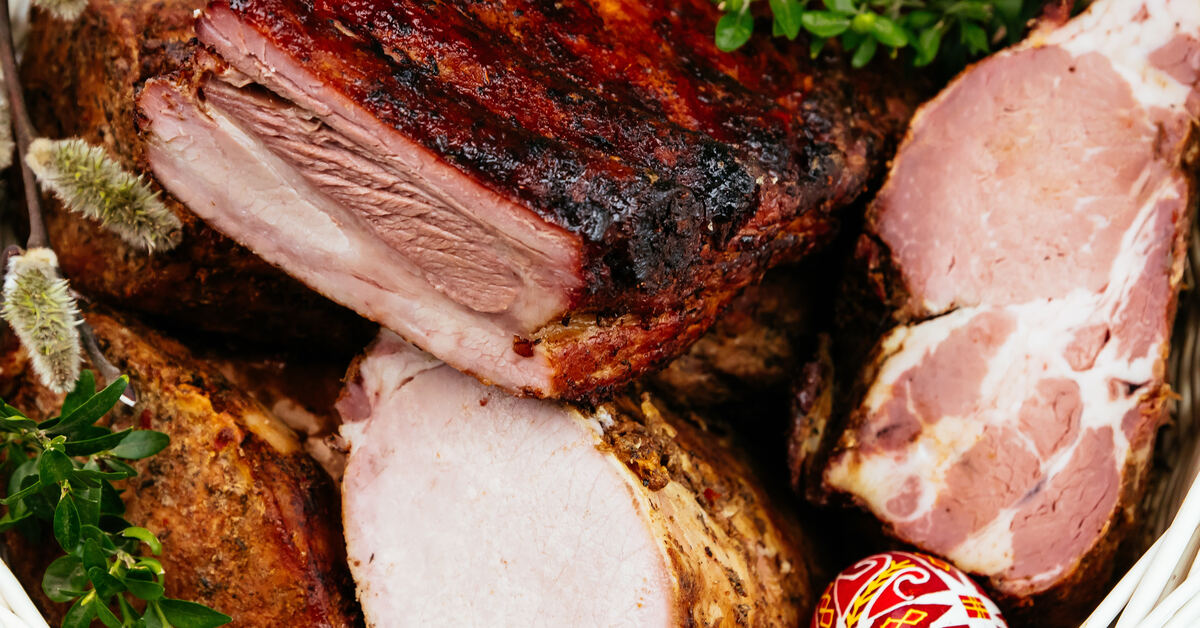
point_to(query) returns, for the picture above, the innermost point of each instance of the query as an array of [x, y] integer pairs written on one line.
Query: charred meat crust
[[754, 150], [81, 79], [249, 522]]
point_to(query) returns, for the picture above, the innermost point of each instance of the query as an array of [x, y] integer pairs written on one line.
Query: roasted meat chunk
[[249, 521], [1033, 262], [81, 78], [552, 197], [466, 506]]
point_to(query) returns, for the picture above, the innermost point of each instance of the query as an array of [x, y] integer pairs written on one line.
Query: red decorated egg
[[905, 590]]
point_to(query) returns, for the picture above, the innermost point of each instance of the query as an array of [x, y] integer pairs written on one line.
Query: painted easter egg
[[905, 590]]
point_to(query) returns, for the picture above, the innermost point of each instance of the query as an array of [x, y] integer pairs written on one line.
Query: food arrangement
[[608, 261]]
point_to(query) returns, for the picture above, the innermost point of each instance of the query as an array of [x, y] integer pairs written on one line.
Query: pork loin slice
[[1035, 220], [81, 77], [553, 198], [234, 493], [465, 506]]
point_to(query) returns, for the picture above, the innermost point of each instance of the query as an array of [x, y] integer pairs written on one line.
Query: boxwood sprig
[[60, 475], [954, 31]]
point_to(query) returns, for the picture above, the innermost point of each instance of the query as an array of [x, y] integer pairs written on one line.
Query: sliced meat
[[553, 198], [465, 506], [1034, 224], [81, 78], [248, 521]]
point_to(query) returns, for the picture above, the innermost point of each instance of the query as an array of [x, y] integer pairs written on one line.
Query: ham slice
[[465, 506], [1033, 229]]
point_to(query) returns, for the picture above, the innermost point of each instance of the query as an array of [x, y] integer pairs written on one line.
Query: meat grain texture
[[553, 197], [466, 506], [81, 78], [248, 521], [1032, 264]]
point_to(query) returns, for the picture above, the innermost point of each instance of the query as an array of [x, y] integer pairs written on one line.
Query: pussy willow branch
[[22, 131]]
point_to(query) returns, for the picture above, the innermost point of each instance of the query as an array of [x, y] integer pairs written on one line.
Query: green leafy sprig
[[954, 30], [61, 473]]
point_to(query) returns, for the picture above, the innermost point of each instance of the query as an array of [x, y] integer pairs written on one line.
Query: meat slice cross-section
[[1034, 225], [551, 197], [465, 506], [81, 78]]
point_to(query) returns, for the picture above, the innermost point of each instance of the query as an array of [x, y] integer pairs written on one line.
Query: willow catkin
[[93, 184], [63, 9], [39, 307]]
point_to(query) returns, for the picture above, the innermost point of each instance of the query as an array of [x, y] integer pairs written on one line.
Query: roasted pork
[[554, 198], [248, 521], [81, 78], [466, 506], [1031, 237]]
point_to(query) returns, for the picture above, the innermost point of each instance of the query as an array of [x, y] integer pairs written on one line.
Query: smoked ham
[[1030, 239]]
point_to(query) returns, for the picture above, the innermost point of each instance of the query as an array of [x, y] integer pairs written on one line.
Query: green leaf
[[1009, 10], [105, 584], [152, 565], [978, 11], [85, 387], [845, 7], [734, 30], [889, 33], [153, 616], [44, 501], [143, 589], [17, 424], [145, 536], [31, 488], [120, 467], [11, 520], [91, 446], [64, 579], [107, 617], [88, 503], [815, 46], [93, 556], [184, 614], [66, 524], [927, 45], [54, 467], [862, 22], [110, 500], [920, 19], [974, 38], [864, 54], [787, 16], [824, 23], [93, 409], [113, 524], [141, 444], [24, 470], [80, 615], [94, 478]]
